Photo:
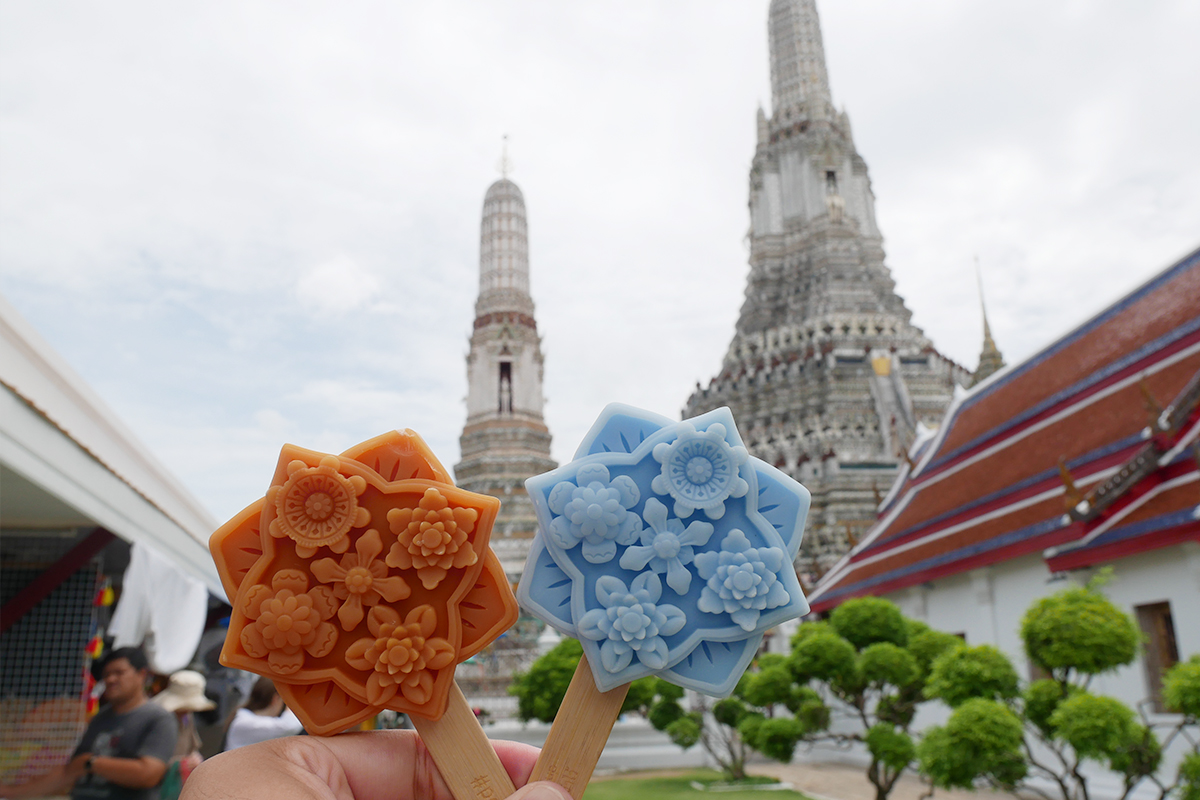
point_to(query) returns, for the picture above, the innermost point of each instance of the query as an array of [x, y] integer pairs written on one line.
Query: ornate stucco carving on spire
[[799, 80], [504, 252], [828, 377], [505, 439]]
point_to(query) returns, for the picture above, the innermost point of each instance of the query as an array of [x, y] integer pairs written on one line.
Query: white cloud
[[337, 286], [246, 224]]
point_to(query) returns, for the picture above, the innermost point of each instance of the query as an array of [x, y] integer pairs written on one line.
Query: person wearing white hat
[[183, 696]]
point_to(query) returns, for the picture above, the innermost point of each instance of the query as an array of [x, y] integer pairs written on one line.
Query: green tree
[[1189, 777], [1181, 688], [1004, 735], [968, 672], [1079, 632], [982, 738], [1181, 694], [714, 725], [540, 691], [869, 664]]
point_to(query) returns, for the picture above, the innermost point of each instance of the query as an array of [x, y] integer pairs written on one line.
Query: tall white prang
[[505, 439], [826, 375]]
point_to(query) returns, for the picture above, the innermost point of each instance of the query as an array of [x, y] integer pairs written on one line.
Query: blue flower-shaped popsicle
[[665, 549]]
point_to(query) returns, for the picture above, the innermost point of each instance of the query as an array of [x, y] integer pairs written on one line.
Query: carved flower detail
[[288, 618], [631, 622], [700, 470], [360, 579], [400, 655], [317, 506], [595, 512], [742, 580], [432, 538], [667, 546]]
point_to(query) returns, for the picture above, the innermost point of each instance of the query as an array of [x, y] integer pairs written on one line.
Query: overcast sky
[[250, 223]]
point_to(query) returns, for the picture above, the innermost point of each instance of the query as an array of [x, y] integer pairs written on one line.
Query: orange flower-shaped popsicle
[[360, 581], [431, 538]]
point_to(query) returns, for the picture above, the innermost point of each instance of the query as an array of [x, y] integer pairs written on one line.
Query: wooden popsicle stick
[[579, 733], [463, 753]]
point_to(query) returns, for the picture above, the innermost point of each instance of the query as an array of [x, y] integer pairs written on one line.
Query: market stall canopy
[[67, 461]]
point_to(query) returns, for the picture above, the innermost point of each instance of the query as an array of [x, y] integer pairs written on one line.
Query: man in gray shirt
[[124, 751]]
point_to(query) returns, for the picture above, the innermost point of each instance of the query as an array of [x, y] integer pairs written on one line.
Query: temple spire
[[505, 164], [504, 250], [799, 80], [990, 359], [505, 439], [826, 374]]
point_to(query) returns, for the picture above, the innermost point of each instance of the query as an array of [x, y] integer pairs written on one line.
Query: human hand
[[383, 765]]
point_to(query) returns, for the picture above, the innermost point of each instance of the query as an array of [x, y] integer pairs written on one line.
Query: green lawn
[[634, 788]]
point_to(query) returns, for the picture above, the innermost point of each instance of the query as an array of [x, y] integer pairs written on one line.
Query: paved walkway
[[829, 781]]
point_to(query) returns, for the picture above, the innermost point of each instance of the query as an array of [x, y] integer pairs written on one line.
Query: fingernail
[[541, 790]]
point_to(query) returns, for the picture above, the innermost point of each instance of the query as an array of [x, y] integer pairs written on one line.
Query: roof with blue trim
[[1021, 462]]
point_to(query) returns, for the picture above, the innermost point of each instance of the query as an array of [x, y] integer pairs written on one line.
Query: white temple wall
[[483, 385], [527, 385], [483, 379], [986, 605]]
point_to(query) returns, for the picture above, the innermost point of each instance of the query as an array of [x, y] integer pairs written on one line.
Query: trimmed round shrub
[[1189, 777], [667, 690], [768, 660], [1079, 629], [890, 746], [807, 629], [824, 656], [1181, 687], [965, 672], [1096, 726], [884, 663], [777, 737], [864, 621], [809, 709], [729, 711], [769, 686], [982, 738], [684, 731], [926, 645], [1140, 756], [664, 712], [1041, 699], [749, 726]]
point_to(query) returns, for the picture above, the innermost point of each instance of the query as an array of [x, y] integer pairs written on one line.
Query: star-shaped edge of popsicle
[[711, 658], [389, 654], [482, 613]]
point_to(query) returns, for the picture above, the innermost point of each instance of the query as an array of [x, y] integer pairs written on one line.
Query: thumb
[[540, 790]]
